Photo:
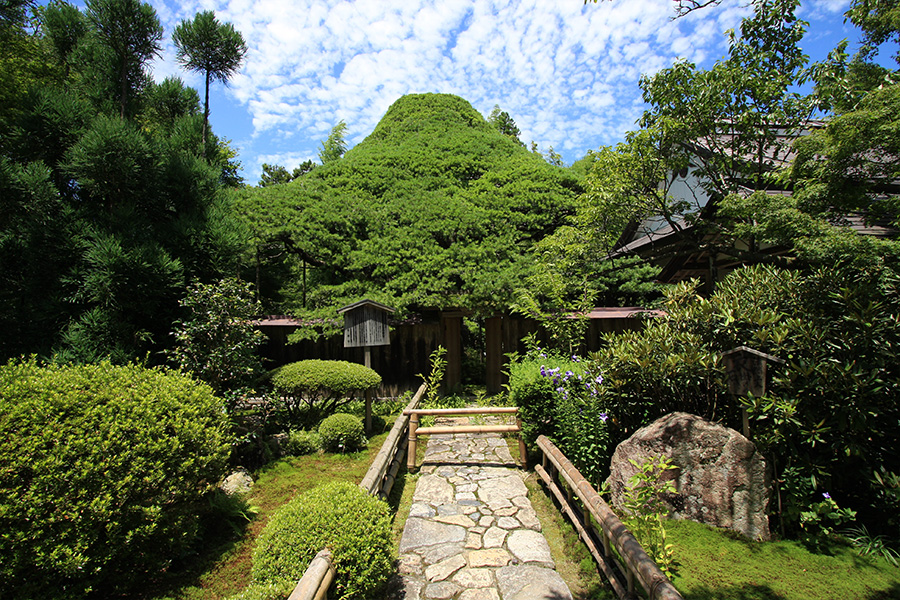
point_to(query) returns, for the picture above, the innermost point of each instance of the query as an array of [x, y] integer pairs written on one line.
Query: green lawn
[[714, 565]]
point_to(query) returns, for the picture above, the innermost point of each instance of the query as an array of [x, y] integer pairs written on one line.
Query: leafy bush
[[340, 516], [342, 433], [302, 442], [104, 471], [645, 509], [311, 389], [560, 398], [217, 341], [828, 420], [266, 591]]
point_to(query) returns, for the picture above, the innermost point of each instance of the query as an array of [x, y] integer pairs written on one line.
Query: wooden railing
[[383, 471], [415, 431], [318, 577], [378, 481], [611, 534]]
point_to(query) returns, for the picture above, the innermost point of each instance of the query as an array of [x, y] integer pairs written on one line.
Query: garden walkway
[[472, 533]]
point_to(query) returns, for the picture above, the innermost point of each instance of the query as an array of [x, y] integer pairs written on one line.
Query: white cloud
[[566, 72]]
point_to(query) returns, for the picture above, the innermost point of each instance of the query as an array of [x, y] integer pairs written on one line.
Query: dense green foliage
[[339, 516], [302, 442], [217, 341], [829, 419], [104, 471], [309, 390], [560, 397], [342, 432], [435, 208], [108, 205]]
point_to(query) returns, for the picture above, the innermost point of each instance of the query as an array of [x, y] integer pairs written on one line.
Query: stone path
[[472, 533]]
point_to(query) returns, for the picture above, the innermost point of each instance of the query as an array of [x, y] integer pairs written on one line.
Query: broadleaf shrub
[[340, 516], [342, 433], [829, 419], [103, 469], [308, 390], [302, 442]]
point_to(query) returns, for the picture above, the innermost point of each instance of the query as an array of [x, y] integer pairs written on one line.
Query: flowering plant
[[579, 418]]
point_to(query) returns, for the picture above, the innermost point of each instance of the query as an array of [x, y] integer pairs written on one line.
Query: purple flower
[[599, 379], [543, 371], [826, 495], [604, 417], [576, 358]]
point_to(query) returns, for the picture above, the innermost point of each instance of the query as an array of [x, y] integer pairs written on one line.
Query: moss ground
[[716, 565], [224, 568]]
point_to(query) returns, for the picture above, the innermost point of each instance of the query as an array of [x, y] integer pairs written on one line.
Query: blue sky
[[566, 72]]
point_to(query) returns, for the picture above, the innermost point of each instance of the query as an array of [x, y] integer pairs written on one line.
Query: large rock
[[721, 479]]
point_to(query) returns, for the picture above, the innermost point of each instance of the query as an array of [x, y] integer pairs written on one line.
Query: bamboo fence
[[415, 431], [638, 566]]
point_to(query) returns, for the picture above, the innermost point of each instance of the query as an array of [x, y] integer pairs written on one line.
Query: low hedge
[[340, 516], [102, 471], [342, 433]]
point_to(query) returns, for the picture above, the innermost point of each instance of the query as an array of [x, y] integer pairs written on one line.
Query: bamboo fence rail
[[318, 577], [415, 430], [380, 477], [612, 533], [378, 481]]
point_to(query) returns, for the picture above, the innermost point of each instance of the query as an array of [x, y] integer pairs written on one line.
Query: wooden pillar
[[368, 422], [451, 329], [411, 446], [493, 341]]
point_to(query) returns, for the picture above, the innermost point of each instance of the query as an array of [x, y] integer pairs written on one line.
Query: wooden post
[[368, 363], [493, 342], [451, 329], [411, 446], [523, 451]]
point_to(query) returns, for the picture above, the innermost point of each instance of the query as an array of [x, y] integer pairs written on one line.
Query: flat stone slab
[[502, 490], [528, 582], [423, 532], [530, 547], [495, 557], [433, 490], [445, 568]]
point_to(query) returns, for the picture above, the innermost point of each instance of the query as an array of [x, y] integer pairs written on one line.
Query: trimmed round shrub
[[342, 433], [302, 442], [103, 469], [339, 516]]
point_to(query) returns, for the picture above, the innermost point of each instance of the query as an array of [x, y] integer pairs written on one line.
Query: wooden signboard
[[366, 324]]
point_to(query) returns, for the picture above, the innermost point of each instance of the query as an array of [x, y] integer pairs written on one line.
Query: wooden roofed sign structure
[[365, 326]]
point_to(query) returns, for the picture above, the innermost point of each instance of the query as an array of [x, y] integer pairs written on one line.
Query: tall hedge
[[101, 468]]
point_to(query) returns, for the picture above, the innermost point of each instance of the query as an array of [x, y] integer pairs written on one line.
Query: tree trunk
[[205, 114]]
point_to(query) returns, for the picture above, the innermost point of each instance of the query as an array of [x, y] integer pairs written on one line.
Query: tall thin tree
[[131, 31], [207, 46]]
